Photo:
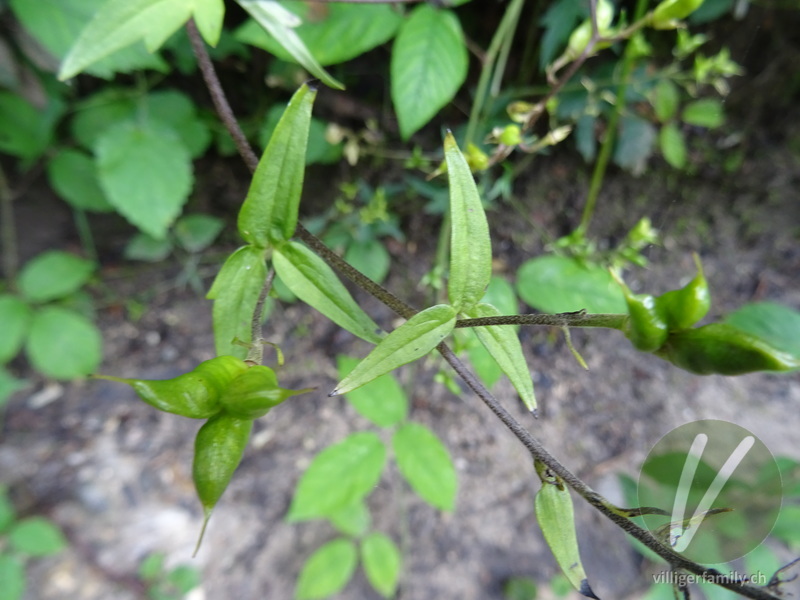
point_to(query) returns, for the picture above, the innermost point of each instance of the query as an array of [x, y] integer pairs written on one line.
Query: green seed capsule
[[194, 394], [722, 349], [253, 393], [668, 12], [686, 306], [646, 328], [218, 450]]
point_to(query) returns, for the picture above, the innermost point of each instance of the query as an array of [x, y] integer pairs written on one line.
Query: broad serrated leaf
[[503, 344], [673, 146], [327, 571], [56, 25], [25, 132], [470, 245], [12, 577], [635, 140], [556, 518], [338, 476], [269, 213], [73, 175], [353, 520], [412, 340], [36, 536], [334, 35], [314, 282], [382, 561], [53, 274], [704, 113], [15, 319], [280, 23], [235, 294], [429, 64], [146, 173], [426, 465], [776, 324], [555, 284], [382, 401], [120, 23], [176, 110], [666, 98], [63, 344]]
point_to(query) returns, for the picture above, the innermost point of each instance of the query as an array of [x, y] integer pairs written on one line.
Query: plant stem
[[611, 131], [8, 235], [534, 447], [579, 319], [256, 353]]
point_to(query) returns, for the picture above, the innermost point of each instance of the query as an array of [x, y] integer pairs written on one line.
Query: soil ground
[[116, 475]]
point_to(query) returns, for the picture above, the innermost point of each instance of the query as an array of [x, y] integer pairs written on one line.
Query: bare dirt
[[116, 475]]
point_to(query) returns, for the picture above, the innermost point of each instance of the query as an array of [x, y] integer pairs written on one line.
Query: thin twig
[[8, 234], [534, 447], [579, 319]]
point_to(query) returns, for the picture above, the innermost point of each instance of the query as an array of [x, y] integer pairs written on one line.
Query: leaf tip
[[586, 590], [449, 141], [333, 393], [313, 84], [535, 412]]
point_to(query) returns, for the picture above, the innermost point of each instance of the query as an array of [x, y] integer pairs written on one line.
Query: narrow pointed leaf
[[382, 401], [556, 518], [280, 23], [120, 23], [314, 282], [328, 570], [426, 464], [412, 340], [503, 344], [381, 559], [470, 245], [269, 213], [235, 293], [338, 476]]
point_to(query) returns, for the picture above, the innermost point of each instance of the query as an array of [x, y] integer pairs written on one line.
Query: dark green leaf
[[327, 571], [382, 401], [73, 175], [56, 24], [382, 562], [370, 257], [774, 323], [24, 131], [97, 113], [269, 213], [235, 293], [429, 64], [53, 274], [353, 519], [412, 340], [425, 463], [147, 248], [704, 113], [636, 138], [36, 536], [314, 282], [470, 245], [146, 173], [12, 578], [673, 146], [338, 476], [63, 344], [178, 111], [560, 19], [585, 137], [15, 318], [197, 232], [280, 23], [333, 35], [555, 284]]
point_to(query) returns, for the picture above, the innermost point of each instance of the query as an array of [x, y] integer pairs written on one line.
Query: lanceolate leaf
[[120, 23], [382, 561], [412, 340], [503, 344], [429, 64], [314, 282], [425, 463], [235, 293], [470, 245], [328, 570], [269, 213], [557, 520], [338, 476], [279, 23]]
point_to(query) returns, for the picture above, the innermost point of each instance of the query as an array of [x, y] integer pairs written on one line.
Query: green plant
[[167, 584], [22, 540]]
